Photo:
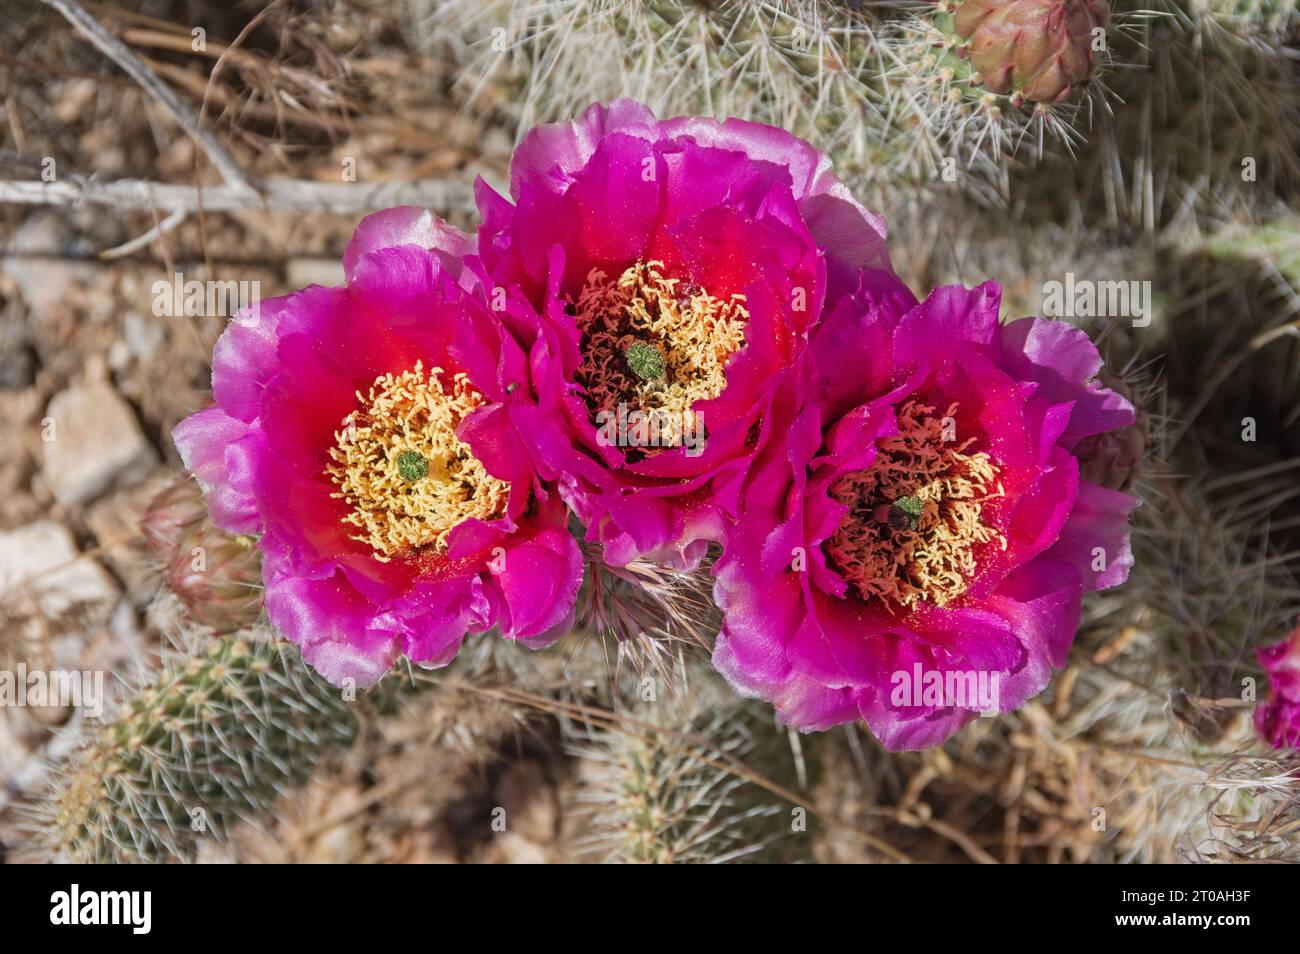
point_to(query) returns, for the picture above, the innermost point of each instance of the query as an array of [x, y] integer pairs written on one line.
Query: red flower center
[[914, 519], [656, 345]]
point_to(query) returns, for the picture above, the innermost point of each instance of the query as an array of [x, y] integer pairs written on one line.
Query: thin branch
[[140, 241], [119, 53], [292, 195]]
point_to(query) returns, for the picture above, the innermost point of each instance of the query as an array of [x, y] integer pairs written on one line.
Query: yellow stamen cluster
[[694, 332], [400, 508], [914, 515]]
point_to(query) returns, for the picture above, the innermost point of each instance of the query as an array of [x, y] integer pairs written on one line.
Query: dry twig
[[119, 53], [344, 198]]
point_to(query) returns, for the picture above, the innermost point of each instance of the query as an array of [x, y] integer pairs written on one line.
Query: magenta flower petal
[[1095, 540], [549, 154], [217, 449], [1061, 360], [802, 701], [408, 225], [835, 218], [1277, 719], [244, 358], [334, 626], [539, 582]]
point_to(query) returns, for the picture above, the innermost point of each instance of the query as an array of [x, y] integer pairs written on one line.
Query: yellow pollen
[[694, 332], [399, 507], [914, 515]]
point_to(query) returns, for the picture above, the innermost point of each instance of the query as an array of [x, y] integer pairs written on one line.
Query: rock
[[44, 280], [21, 412], [142, 335], [17, 368], [123, 642], [96, 441], [19, 734], [431, 845], [18, 362], [119, 357], [43, 557]]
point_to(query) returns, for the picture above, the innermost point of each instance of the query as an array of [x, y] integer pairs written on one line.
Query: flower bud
[[172, 509], [217, 576], [1036, 50]]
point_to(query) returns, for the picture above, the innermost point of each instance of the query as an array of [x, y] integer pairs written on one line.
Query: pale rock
[[514, 849], [18, 734], [44, 557], [143, 335], [44, 280], [97, 441], [119, 357]]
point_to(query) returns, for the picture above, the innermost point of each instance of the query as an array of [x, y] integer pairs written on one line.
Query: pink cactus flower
[[914, 539], [369, 434], [678, 266]]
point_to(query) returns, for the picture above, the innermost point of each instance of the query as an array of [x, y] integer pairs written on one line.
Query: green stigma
[[906, 512], [912, 506], [412, 466], [645, 360]]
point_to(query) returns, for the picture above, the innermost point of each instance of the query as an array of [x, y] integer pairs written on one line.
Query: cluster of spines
[[812, 68], [677, 782], [953, 126], [1200, 122], [215, 735]]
